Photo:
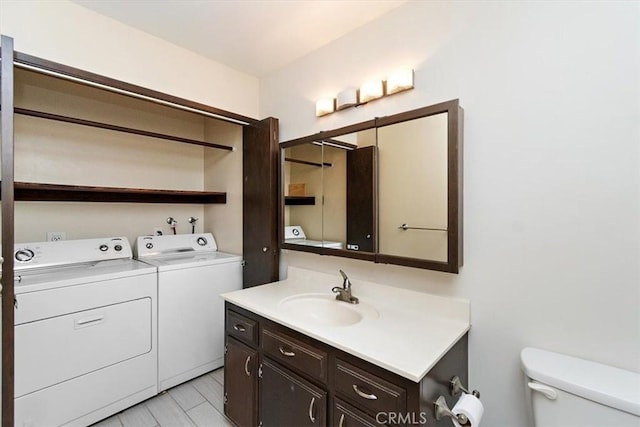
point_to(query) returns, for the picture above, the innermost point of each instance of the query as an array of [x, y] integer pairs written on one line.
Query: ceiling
[[252, 36]]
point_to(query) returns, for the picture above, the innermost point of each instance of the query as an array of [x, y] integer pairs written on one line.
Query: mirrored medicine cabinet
[[387, 190]]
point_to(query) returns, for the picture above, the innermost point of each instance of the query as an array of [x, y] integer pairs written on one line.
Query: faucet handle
[[344, 275]]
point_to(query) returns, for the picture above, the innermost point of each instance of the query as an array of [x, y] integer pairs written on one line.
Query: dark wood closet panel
[[260, 203], [6, 77], [361, 199]]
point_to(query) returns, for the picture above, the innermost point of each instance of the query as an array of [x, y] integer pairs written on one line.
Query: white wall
[[65, 32], [68, 33], [551, 171], [223, 169]]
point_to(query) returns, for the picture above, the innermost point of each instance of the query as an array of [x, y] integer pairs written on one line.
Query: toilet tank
[[565, 391]]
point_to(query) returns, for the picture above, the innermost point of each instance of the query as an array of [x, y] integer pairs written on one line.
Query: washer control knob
[[103, 248], [202, 241], [24, 255], [118, 248], [149, 245]]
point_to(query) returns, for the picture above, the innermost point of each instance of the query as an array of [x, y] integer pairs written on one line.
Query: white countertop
[[410, 335]]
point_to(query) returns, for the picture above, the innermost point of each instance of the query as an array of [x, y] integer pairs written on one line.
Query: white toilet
[[565, 391]]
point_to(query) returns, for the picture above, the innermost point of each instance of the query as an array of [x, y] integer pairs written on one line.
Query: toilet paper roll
[[471, 407]]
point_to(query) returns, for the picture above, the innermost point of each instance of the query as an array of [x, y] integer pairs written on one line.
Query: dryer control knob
[[202, 241], [24, 255], [118, 248], [103, 248], [149, 245]]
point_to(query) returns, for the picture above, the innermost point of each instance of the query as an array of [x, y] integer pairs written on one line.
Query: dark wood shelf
[[27, 191], [82, 122], [306, 162], [299, 200]]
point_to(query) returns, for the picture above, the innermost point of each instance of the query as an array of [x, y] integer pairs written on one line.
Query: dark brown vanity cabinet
[[278, 377]]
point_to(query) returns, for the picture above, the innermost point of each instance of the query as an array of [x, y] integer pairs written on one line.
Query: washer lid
[[179, 244], [604, 384], [191, 260]]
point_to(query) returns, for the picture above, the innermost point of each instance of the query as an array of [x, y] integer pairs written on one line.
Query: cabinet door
[[240, 383], [260, 203], [286, 400], [345, 415], [361, 199]]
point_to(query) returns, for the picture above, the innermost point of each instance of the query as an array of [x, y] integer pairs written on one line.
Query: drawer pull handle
[[87, 321], [369, 396], [239, 328], [287, 353], [246, 366], [311, 411], [341, 420]]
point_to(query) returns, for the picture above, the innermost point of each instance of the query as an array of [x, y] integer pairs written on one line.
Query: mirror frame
[[455, 119]]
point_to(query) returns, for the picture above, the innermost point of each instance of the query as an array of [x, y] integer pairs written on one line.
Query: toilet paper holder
[[442, 409], [457, 388]]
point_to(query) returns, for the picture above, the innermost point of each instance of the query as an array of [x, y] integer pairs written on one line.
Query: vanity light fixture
[[325, 106], [400, 81], [370, 90], [373, 89]]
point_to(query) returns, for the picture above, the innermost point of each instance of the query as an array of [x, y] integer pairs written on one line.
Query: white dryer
[[85, 331], [191, 276]]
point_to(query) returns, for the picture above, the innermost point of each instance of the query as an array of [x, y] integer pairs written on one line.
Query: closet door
[[260, 203], [6, 82]]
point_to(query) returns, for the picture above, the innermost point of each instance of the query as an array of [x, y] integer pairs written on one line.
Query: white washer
[[294, 234], [85, 331], [191, 276]]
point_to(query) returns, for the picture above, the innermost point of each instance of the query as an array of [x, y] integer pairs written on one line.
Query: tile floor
[[194, 403]]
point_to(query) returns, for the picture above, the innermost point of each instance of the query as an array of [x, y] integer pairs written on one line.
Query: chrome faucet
[[344, 292]]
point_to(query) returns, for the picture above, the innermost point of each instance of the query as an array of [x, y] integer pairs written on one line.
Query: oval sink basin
[[325, 310]]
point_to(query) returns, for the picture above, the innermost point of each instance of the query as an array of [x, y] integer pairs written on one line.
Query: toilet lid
[[604, 384]]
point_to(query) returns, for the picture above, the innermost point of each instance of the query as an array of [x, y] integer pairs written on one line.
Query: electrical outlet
[[56, 236]]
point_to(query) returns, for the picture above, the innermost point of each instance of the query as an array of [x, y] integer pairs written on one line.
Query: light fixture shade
[[399, 81], [371, 90], [325, 106], [347, 98]]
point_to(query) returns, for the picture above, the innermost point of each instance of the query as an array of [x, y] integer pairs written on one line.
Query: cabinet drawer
[[295, 354], [367, 390], [345, 415], [242, 327]]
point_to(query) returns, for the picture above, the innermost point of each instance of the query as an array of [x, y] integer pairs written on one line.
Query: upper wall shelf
[[307, 162], [66, 119], [28, 191]]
